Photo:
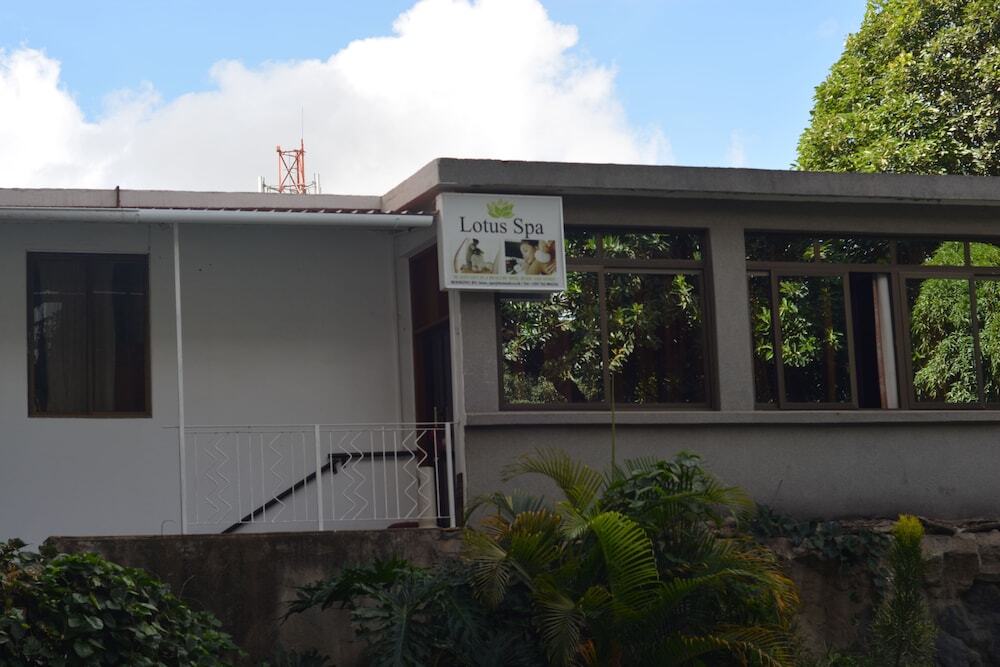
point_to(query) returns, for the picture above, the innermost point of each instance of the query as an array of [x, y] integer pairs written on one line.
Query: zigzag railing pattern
[[266, 478]]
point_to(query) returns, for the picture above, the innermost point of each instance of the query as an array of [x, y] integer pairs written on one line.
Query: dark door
[[431, 340], [432, 365]]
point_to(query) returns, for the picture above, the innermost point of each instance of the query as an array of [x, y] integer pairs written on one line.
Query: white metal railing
[[318, 477]]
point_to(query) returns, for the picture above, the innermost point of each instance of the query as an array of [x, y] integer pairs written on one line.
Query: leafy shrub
[[285, 658], [410, 616], [639, 566], [828, 541], [635, 567], [62, 609], [903, 632]]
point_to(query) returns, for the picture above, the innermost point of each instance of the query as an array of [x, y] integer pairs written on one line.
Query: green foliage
[[553, 350], [903, 632], [285, 658], [631, 567], [827, 540], [423, 616], [638, 566], [915, 91], [61, 609]]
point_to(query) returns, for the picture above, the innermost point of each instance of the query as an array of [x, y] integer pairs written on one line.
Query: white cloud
[[490, 78], [736, 154]]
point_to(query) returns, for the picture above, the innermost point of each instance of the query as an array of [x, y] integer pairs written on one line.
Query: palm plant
[[632, 567]]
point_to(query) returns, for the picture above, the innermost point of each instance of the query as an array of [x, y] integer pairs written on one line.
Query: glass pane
[[765, 370], [552, 347], [655, 338], [984, 254], [580, 243], [118, 291], [854, 250], [941, 340], [772, 247], [814, 339], [988, 316], [653, 245], [58, 337], [930, 252]]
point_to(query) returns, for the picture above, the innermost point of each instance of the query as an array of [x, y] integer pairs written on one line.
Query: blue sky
[[726, 83]]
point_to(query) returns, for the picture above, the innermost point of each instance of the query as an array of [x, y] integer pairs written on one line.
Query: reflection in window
[[580, 243], [944, 367], [88, 338], [985, 254], [629, 328], [781, 247], [655, 346], [552, 346], [652, 245], [930, 252], [776, 247], [848, 250], [988, 319], [765, 370], [813, 339]]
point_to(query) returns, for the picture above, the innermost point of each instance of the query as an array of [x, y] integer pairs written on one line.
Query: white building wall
[[282, 325]]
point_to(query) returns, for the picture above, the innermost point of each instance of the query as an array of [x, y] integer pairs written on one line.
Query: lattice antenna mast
[[292, 174], [292, 169]]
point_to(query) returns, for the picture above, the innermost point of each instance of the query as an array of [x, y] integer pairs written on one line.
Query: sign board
[[501, 242]]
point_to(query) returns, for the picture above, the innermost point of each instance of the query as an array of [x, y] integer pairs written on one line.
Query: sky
[[196, 95]]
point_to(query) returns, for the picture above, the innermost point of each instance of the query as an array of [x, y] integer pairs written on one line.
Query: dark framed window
[[630, 327], [88, 335], [874, 322]]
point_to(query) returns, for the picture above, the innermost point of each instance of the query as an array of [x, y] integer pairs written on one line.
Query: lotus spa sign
[[501, 242]]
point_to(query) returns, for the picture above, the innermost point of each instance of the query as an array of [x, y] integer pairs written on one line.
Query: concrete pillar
[[728, 275]]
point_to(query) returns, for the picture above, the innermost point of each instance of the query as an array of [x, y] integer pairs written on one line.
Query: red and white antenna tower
[[291, 174], [292, 169]]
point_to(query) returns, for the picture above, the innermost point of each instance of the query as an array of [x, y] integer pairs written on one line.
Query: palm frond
[[490, 569], [756, 645], [631, 564], [506, 506], [560, 623], [579, 483]]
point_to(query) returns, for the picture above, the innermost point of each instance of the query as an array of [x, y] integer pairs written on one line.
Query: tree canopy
[[917, 90]]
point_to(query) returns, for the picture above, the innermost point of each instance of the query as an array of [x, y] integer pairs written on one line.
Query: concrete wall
[[281, 325], [247, 580], [806, 462]]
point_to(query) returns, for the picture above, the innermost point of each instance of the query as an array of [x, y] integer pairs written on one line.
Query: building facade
[[189, 361]]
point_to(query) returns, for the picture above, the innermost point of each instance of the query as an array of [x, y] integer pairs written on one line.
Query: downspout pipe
[[375, 221]]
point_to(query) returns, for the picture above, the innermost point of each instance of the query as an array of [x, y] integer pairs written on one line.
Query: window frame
[[89, 259], [600, 265], [898, 274]]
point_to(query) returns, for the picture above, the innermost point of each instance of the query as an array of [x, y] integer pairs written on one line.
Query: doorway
[[432, 366]]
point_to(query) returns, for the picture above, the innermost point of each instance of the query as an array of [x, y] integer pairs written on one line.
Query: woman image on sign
[[538, 257]]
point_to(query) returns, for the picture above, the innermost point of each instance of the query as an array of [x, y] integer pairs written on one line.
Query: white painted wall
[[281, 325]]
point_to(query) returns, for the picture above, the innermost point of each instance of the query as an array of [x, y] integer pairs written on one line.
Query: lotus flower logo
[[500, 209]]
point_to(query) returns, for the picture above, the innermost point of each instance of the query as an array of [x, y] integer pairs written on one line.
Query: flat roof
[[567, 178], [416, 193]]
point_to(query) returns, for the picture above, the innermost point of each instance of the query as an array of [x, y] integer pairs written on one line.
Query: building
[[311, 334]]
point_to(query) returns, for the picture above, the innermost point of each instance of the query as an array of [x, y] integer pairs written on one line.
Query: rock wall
[[963, 591], [246, 580]]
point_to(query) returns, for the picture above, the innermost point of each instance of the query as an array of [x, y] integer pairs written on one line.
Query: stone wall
[[246, 580], [963, 591]]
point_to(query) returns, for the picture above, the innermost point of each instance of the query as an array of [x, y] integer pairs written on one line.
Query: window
[[88, 335], [630, 325], [874, 322]]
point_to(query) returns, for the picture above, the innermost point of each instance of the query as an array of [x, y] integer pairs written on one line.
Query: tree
[[634, 567], [903, 632], [917, 90]]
